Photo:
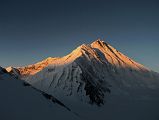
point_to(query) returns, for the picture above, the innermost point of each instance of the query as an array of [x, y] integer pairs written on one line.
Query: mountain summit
[[100, 50], [88, 74], [115, 57]]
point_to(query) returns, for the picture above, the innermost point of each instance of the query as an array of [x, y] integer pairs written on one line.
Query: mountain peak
[[98, 41], [10, 68], [98, 50], [99, 44]]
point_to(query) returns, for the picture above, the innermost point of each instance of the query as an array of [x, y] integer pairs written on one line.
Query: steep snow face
[[88, 73], [73, 75], [115, 57], [19, 101]]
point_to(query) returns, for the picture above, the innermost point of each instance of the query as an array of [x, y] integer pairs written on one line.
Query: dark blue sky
[[33, 30]]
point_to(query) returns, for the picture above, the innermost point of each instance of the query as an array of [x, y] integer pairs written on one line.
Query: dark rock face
[[95, 93], [95, 86]]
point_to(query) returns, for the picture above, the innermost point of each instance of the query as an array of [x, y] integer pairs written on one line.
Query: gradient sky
[[34, 30]]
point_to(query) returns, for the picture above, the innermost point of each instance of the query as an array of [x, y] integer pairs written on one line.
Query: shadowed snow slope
[[19, 102], [24, 103]]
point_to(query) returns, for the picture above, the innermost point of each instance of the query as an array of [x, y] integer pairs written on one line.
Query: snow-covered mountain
[[89, 74], [93, 73]]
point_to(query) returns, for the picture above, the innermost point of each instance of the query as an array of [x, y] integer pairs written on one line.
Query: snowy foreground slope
[[97, 81], [21, 102]]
